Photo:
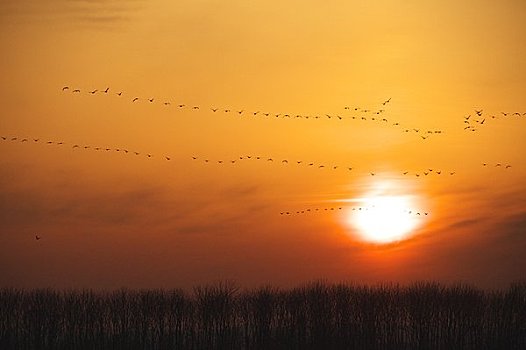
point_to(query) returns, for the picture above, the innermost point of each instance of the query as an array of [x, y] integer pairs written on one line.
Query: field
[[314, 316]]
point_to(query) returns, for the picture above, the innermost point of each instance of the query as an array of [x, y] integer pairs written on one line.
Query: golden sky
[[109, 219]]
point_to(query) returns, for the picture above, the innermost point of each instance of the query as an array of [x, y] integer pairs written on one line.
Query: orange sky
[[109, 220]]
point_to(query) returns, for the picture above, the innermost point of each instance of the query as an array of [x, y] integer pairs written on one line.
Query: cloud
[[95, 13], [64, 200]]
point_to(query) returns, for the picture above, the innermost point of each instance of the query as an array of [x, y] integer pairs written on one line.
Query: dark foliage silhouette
[[220, 316]]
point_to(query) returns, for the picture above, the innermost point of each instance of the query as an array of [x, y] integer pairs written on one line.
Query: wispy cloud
[[97, 13]]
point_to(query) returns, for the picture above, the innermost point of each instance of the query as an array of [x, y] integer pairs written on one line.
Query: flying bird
[[65, 88], [151, 100], [107, 89], [37, 237], [76, 90], [387, 101], [93, 92], [119, 93], [135, 99]]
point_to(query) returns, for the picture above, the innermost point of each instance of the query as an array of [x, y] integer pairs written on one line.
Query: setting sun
[[385, 219]]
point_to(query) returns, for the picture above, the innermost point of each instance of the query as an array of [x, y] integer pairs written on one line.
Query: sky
[[111, 219]]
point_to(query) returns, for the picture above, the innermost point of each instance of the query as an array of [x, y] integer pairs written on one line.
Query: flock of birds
[[472, 123], [477, 119], [328, 209], [359, 113], [204, 160]]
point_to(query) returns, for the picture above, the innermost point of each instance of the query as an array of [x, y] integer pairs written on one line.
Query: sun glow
[[385, 218]]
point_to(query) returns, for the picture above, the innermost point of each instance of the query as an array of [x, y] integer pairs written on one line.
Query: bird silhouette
[[479, 113], [151, 100], [76, 90], [167, 103], [65, 88], [119, 93], [214, 109], [135, 99], [106, 91], [93, 92], [38, 238], [167, 158]]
